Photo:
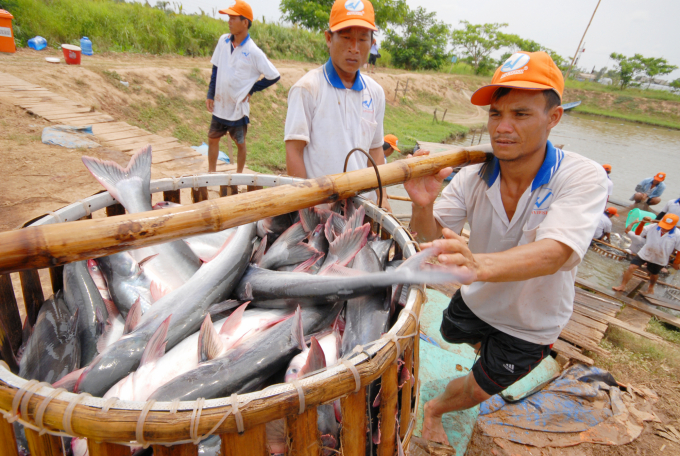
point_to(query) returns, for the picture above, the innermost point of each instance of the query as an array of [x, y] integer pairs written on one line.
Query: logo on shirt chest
[[367, 105], [542, 201]]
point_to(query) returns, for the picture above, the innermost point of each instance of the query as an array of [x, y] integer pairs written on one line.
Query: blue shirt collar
[[334, 79], [231, 38], [671, 231], [553, 158]]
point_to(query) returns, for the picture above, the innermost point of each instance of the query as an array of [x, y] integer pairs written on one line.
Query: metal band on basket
[[375, 168]]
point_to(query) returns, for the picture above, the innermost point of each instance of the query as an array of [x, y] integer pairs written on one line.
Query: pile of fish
[[223, 313]]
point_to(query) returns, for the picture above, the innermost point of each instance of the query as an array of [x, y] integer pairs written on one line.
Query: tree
[[477, 41], [656, 66], [420, 42], [675, 85], [628, 68], [315, 14]]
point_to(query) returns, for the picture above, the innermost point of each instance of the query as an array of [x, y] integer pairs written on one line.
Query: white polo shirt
[[610, 187], [236, 73], [563, 203], [604, 225], [333, 120], [636, 242], [658, 248], [672, 207]]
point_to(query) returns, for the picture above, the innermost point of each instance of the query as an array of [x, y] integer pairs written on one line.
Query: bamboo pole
[[253, 442], [186, 449], [303, 434], [405, 417], [399, 198], [43, 445], [611, 246], [33, 294], [581, 42], [388, 411], [353, 437], [57, 278], [61, 243], [7, 438], [646, 277], [106, 449], [9, 312]]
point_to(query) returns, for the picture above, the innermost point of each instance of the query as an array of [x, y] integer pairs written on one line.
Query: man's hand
[[247, 98], [385, 202], [210, 105], [424, 190], [675, 266], [454, 252]]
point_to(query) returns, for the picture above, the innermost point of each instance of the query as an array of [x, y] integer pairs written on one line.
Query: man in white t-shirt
[[660, 242], [237, 66], [604, 226], [334, 109], [671, 207], [636, 242], [532, 212], [610, 184]]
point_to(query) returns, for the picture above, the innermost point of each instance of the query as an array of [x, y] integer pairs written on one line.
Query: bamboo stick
[[646, 277], [388, 411], [33, 294], [303, 434], [55, 244], [253, 442], [7, 438], [611, 246], [399, 198], [43, 445], [172, 196], [57, 278], [353, 437], [406, 393], [106, 449], [186, 449], [9, 312]]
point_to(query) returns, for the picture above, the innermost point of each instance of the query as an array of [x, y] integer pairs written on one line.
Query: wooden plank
[[115, 209], [172, 195], [303, 434], [588, 322], [57, 106], [389, 388], [9, 312], [661, 302], [6, 350], [43, 445], [406, 394], [628, 327], [184, 163], [353, 434], [590, 313], [124, 134], [253, 442], [185, 449], [58, 111], [582, 336], [57, 278], [173, 154], [73, 116], [9, 446], [155, 147], [81, 123], [597, 307], [571, 352], [33, 294], [147, 138], [659, 314], [110, 127], [106, 449]]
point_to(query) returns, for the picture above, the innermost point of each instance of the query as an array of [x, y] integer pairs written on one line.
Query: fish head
[[295, 367]]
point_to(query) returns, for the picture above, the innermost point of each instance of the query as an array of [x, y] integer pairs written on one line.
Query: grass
[[668, 332], [135, 27], [630, 92], [663, 120]]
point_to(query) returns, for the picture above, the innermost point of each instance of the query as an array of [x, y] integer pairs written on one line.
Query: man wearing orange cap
[[650, 190], [610, 184], [390, 145], [660, 242], [237, 66], [334, 109], [532, 212], [604, 226]]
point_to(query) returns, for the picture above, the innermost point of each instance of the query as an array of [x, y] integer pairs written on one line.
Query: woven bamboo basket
[[175, 428]]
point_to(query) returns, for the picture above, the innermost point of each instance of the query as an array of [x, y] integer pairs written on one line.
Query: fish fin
[[248, 292], [259, 253], [316, 359], [309, 218], [156, 346], [234, 320], [158, 290], [221, 249], [338, 335], [297, 331], [306, 265], [222, 306], [68, 381], [338, 411], [147, 259], [301, 252], [347, 245], [337, 222], [133, 316], [111, 309], [110, 174], [329, 231], [209, 342], [329, 442], [337, 270], [292, 236], [357, 219]]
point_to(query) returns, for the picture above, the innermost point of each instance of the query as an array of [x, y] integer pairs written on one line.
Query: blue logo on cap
[[354, 5], [515, 62]]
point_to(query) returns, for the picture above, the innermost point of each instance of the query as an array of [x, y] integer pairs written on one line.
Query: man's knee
[[638, 197], [473, 391], [654, 201]]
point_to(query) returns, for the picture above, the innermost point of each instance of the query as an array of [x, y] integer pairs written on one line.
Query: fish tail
[[347, 245], [133, 316], [111, 175], [209, 343], [417, 270], [298, 333], [155, 348], [309, 218]]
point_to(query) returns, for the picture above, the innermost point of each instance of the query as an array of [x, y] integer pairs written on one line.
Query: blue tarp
[[203, 150], [69, 137]]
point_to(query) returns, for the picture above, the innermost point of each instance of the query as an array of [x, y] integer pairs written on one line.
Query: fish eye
[[294, 371]]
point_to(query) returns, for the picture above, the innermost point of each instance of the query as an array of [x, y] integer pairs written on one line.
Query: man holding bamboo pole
[[532, 213]]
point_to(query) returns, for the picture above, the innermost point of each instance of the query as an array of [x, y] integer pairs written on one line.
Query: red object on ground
[[71, 54], [6, 32]]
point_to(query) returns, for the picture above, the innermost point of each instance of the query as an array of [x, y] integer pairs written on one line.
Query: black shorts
[[218, 129], [372, 58], [653, 268], [503, 359]]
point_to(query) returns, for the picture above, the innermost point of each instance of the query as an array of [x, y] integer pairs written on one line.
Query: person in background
[[373, 55], [610, 184], [237, 65], [334, 109], [636, 242], [671, 207], [650, 190], [604, 226], [660, 242], [390, 145]]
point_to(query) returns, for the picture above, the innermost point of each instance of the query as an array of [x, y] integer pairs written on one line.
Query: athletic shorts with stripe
[[503, 359]]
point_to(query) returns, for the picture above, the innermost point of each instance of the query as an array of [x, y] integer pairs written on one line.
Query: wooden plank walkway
[[169, 156]]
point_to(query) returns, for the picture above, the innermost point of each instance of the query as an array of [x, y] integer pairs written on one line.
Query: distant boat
[[572, 105]]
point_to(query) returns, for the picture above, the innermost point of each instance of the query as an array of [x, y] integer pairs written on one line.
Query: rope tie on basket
[[392, 337], [66, 421], [40, 413], [237, 414], [27, 398], [194, 180], [301, 396], [195, 420], [175, 406], [175, 183], [139, 431], [17, 399], [352, 368], [109, 403], [413, 314], [56, 216], [86, 206]]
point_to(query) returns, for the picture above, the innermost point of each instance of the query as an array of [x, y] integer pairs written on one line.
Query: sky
[[623, 26]]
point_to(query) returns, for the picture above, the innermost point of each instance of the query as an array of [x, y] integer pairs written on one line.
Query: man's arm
[[210, 99], [379, 157], [295, 163]]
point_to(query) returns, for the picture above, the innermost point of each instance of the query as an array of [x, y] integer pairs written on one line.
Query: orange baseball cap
[[669, 221], [607, 167], [352, 13], [240, 8], [526, 71], [660, 177], [612, 211], [392, 141]]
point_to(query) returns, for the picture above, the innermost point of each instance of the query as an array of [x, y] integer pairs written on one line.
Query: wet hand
[[454, 253], [424, 190], [210, 105]]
